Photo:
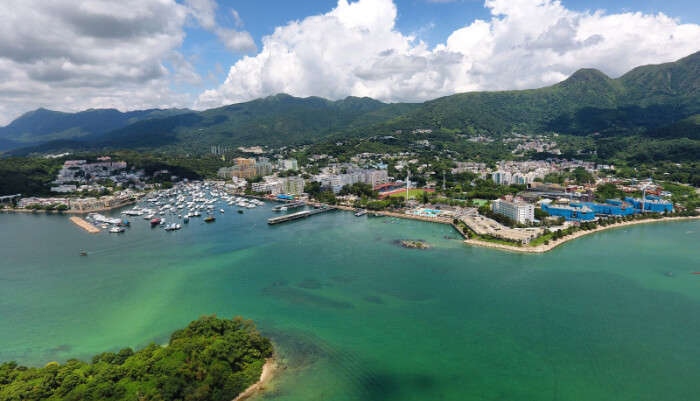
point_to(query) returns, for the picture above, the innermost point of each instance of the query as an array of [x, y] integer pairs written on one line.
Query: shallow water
[[356, 317]]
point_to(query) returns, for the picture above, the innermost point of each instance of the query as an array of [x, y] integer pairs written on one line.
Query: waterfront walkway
[[85, 225], [555, 243]]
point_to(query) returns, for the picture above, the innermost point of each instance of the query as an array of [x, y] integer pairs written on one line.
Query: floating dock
[[297, 215], [85, 225]]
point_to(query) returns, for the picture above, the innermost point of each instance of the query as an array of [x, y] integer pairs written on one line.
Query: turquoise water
[[614, 315]]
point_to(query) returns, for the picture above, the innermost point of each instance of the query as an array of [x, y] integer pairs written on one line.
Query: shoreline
[[69, 211], [578, 234], [268, 372], [524, 249]]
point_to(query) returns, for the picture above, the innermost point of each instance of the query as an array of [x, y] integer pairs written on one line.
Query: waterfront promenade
[[525, 248], [555, 243]]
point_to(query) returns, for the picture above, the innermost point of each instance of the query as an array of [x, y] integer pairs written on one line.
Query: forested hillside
[[211, 359]]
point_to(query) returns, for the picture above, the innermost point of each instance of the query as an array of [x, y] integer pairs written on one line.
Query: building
[[651, 204], [289, 164], [293, 185], [64, 189], [273, 187], [263, 168], [244, 162], [611, 207], [573, 212], [515, 209], [375, 177]]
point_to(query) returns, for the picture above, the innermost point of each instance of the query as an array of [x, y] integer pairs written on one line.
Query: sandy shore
[[553, 244], [268, 372]]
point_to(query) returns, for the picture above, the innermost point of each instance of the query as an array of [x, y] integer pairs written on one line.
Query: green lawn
[[412, 194]]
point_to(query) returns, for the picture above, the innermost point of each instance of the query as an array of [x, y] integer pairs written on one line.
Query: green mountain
[[654, 101], [43, 125], [275, 120], [587, 102]]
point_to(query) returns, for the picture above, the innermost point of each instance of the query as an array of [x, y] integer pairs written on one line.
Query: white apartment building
[[273, 187], [288, 164], [517, 210], [293, 185]]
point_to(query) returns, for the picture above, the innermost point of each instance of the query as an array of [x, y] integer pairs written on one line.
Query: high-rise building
[[293, 185], [515, 209], [288, 164]]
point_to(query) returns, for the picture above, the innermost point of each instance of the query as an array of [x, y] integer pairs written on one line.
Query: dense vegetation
[[211, 359], [28, 176]]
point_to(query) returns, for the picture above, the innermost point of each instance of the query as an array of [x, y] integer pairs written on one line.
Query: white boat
[[116, 230], [173, 227]]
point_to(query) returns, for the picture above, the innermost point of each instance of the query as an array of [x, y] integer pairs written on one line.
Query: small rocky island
[[414, 244]]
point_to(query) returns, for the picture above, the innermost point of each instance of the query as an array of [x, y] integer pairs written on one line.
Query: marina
[[172, 208]]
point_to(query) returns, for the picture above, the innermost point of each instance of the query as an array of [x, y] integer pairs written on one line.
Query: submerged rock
[[411, 244]]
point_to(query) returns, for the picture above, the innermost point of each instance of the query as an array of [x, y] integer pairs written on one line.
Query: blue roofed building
[[572, 212], [611, 207], [651, 204]]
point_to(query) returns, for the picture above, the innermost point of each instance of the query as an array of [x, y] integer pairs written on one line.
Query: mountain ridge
[[645, 99]]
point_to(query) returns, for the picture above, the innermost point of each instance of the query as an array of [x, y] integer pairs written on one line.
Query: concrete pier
[[85, 225], [297, 215]]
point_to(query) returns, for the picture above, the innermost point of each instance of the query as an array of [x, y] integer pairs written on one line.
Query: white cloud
[[70, 56], [355, 49], [237, 18], [204, 11]]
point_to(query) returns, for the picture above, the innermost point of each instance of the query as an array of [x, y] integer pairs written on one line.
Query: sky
[[71, 55]]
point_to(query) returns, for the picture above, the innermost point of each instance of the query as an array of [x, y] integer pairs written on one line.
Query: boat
[[222, 211], [125, 223], [117, 230], [360, 213], [186, 220], [173, 227], [210, 219], [155, 221], [240, 212], [83, 253]]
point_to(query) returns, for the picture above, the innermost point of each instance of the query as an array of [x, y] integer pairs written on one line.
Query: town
[[511, 203]]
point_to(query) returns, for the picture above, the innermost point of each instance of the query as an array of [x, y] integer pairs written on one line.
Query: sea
[[354, 316]]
